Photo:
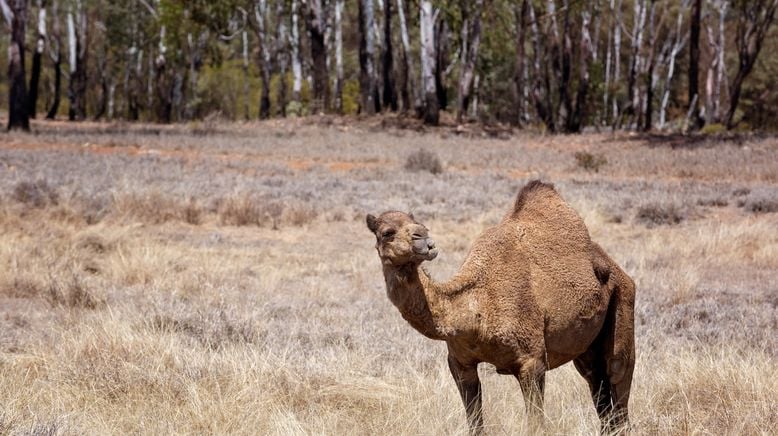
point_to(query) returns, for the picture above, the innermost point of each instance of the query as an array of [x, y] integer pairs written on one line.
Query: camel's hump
[[529, 191]]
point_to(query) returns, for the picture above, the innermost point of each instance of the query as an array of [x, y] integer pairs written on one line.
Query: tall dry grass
[[186, 311]]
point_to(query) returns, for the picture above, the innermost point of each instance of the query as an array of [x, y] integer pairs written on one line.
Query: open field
[[198, 279]]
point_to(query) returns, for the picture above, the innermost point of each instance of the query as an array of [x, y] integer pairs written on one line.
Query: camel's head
[[401, 240]]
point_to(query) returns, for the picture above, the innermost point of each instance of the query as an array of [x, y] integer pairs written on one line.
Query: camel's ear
[[372, 223], [410, 214]]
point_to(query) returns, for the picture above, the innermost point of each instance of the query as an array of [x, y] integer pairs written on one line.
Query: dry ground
[[202, 279]]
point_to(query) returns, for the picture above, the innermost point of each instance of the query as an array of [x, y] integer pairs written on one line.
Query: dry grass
[[188, 292]]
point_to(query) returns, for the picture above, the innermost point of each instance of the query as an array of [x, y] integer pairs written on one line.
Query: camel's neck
[[421, 302]]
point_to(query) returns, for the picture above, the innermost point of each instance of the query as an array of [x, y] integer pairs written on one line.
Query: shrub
[[659, 214], [713, 129], [424, 160], [35, 194], [762, 205], [240, 211], [589, 161]]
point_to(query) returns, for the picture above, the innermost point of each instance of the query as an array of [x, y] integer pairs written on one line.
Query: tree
[[55, 53], [36, 60], [431, 108], [754, 20], [16, 17], [390, 91], [77, 43], [316, 22], [370, 102], [471, 41], [694, 62]]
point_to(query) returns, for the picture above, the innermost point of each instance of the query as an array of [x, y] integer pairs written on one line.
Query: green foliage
[[351, 97]]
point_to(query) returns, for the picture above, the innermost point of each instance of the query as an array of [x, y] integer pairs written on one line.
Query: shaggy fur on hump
[[528, 191]]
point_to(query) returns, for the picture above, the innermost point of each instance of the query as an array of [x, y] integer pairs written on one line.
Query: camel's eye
[[388, 234]]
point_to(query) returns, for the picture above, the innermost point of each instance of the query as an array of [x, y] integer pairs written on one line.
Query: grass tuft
[[423, 160]]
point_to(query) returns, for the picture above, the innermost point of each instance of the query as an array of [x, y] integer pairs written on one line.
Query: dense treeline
[[564, 65]]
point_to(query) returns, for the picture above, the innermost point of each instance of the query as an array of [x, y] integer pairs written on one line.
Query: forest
[[551, 65]]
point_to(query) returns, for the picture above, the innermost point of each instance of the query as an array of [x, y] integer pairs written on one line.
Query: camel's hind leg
[[531, 375], [608, 363]]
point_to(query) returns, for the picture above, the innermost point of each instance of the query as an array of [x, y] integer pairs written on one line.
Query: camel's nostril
[[430, 243]]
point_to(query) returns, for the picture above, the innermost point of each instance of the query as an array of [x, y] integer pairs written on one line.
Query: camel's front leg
[[466, 377]]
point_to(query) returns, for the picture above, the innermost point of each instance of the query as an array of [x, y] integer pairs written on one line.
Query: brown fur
[[533, 293]]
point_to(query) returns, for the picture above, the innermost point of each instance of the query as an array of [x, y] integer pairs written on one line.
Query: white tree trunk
[[427, 34], [616, 55], [72, 51], [680, 38], [297, 68]]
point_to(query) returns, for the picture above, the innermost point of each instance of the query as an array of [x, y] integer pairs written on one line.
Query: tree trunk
[[282, 55], [260, 13], [616, 59], [390, 90], [471, 40], [339, 74], [36, 60], [442, 46], [246, 88], [633, 94], [520, 14], [18, 118], [410, 94], [715, 75], [316, 22], [77, 41], [753, 26], [575, 122], [55, 53], [431, 110], [367, 82], [297, 69], [694, 61], [541, 91], [679, 41]]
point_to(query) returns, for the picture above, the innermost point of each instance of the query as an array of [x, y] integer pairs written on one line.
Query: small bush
[[240, 211], [659, 214], [713, 129], [713, 202], [589, 161], [424, 160], [299, 215], [761, 205], [72, 293], [36, 194]]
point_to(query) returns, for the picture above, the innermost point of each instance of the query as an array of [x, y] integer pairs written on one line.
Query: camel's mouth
[[425, 248]]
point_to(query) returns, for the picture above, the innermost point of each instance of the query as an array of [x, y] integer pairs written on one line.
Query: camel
[[533, 293]]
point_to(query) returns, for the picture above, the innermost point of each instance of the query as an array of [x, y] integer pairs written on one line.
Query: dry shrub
[[35, 194], [72, 292], [299, 215], [214, 329], [655, 214], [713, 202], [242, 210], [761, 205], [155, 208], [589, 161], [424, 160]]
